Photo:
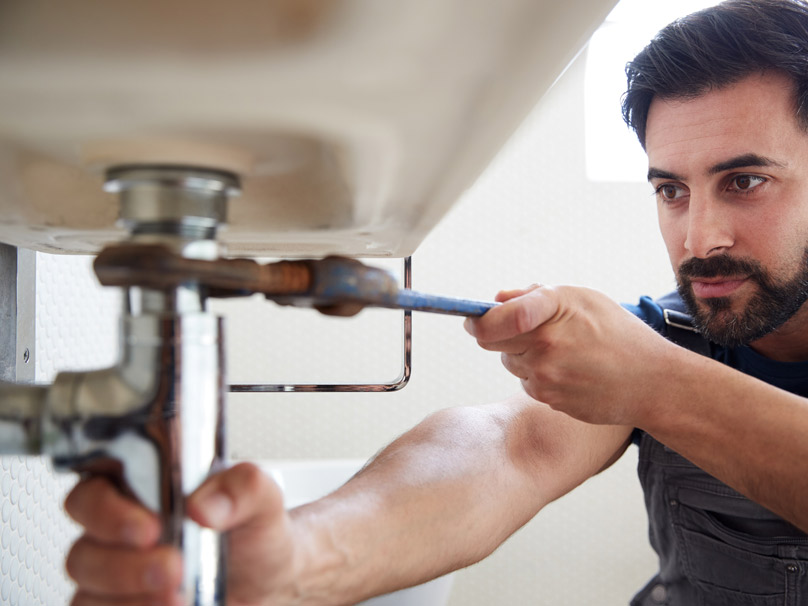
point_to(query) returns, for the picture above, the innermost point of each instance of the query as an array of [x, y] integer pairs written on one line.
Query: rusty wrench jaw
[[334, 285]]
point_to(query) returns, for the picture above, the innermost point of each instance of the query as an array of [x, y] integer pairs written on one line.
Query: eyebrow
[[658, 173], [742, 161]]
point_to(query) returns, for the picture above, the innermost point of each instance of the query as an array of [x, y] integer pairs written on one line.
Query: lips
[[708, 288]]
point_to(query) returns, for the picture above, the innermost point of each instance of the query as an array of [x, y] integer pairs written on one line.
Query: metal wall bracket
[[395, 385], [17, 314]]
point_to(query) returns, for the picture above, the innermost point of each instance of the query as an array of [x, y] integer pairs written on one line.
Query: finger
[[516, 346], [506, 295], [501, 297], [116, 571], [110, 517], [516, 366], [242, 494], [519, 369], [82, 598], [514, 317]]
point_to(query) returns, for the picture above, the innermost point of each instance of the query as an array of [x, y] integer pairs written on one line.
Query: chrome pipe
[[154, 422]]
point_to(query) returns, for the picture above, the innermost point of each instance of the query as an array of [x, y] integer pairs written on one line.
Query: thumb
[[516, 316], [240, 495], [506, 295]]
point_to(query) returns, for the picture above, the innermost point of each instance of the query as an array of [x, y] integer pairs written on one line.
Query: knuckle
[[551, 341], [77, 561], [80, 497], [512, 365], [252, 491], [246, 477], [486, 345], [523, 319], [91, 496], [71, 565]]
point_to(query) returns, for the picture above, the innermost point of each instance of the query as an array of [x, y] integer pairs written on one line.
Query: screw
[[26, 356]]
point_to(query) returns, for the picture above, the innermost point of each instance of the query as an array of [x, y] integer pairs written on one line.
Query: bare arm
[[448, 493], [749, 434], [588, 357], [442, 496]]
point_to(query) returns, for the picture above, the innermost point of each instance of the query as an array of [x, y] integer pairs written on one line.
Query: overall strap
[[679, 325]]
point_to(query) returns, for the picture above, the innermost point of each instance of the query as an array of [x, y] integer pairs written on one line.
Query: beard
[[768, 309]]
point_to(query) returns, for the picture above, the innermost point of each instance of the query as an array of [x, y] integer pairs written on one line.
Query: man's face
[[730, 172]]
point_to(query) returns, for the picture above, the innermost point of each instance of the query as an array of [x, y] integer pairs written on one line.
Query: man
[[717, 102]]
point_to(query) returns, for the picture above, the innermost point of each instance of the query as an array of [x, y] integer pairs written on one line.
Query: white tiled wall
[[531, 217], [76, 326]]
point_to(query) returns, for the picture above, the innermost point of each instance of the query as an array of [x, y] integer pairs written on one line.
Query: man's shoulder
[[649, 311], [668, 316], [671, 301]]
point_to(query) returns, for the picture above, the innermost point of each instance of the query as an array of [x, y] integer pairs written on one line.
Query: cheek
[[673, 234], [778, 239]]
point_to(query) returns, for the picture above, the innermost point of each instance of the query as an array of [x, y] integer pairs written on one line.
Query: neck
[[789, 343]]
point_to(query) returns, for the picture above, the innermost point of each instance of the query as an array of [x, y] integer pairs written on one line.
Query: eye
[[745, 183], [667, 192]]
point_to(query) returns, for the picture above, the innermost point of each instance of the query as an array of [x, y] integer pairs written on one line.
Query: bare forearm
[[748, 434], [443, 496], [440, 497]]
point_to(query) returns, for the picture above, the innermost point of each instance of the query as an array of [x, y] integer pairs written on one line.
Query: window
[[612, 150]]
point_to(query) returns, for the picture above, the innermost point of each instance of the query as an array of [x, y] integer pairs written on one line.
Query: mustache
[[721, 265]]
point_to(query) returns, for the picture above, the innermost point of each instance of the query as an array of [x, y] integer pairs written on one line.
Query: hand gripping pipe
[[154, 422]]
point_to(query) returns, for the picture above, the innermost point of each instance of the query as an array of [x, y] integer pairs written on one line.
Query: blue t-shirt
[[790, 376]]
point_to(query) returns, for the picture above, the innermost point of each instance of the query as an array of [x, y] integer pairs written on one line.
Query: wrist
[[320, 566], [673, 385]]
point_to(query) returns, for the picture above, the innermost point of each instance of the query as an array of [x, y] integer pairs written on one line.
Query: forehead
[[754, 115]]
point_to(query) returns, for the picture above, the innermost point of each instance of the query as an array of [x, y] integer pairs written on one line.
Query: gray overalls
[[715, 546]]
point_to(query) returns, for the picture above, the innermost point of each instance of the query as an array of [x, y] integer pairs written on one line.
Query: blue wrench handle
[[416, 301]]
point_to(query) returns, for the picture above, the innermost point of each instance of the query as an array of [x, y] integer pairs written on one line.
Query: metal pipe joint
[[154, 422]]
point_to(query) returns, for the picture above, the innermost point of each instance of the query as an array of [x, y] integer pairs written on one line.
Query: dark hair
[[716, 47]]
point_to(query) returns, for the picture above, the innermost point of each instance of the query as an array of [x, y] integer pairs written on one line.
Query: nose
[[709, 227]]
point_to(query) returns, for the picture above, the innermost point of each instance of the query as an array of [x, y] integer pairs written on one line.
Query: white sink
[[307, 480], [354, 125]]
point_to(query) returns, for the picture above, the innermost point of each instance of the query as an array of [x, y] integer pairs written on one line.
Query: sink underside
[[354, 125]]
